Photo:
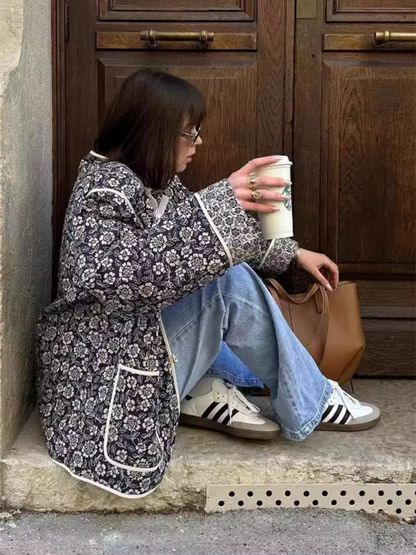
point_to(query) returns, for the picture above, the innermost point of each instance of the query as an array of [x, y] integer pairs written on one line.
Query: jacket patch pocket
[[131, 435]]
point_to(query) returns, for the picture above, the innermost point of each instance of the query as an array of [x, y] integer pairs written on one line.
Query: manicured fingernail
[[329, 287], [286, 197], [275, 209], [287, 182], [277, 157]]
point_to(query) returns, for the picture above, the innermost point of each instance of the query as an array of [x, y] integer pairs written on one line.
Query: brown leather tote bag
[[327, 324]]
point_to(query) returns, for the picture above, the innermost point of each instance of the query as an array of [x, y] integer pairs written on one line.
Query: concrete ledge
[[385, 454]]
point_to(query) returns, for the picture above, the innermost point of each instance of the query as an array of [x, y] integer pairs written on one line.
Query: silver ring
[[255, 194]]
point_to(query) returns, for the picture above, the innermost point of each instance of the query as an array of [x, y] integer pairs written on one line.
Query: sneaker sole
[[328, 427], [199, 422]]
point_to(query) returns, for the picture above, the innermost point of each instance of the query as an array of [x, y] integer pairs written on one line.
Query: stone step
[[386, 454]]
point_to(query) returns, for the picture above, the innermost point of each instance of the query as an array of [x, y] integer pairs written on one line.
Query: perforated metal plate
[[392, 499]]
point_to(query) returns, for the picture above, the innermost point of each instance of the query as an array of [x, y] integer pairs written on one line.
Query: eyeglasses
[[193, 137]]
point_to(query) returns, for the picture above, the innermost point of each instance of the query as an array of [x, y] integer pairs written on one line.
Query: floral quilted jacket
[[106, 382]]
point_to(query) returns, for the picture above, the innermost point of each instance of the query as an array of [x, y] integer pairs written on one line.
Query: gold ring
[[252, 181], [255, 194]]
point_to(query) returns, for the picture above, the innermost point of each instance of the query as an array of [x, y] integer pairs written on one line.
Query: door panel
[[371, 10], [354, 165], [227, 78], [177, 10], [371, 193]]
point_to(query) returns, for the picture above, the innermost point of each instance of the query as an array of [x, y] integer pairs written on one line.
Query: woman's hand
[[243, 188], [314, 263]]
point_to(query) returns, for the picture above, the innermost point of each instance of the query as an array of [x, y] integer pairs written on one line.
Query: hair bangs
[[195, 106]]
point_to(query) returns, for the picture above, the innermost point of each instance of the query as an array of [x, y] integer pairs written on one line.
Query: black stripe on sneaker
[[326, 413], [209, 409], [227, 418], [337, 414], [346, 418], [218, 414]]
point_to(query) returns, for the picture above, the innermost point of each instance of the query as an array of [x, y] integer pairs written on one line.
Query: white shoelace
[[339, 396], [234, 396]]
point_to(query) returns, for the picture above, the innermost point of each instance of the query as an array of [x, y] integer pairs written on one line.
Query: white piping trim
[[98, 485], [107, 428], [171, 359], [216, 230], [114, 191], [140, 372], [162, 207], [151, 198], [265, 257], [159, 209], [99, 156]]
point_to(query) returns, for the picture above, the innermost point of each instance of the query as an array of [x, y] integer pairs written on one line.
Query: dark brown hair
[[142, 126]]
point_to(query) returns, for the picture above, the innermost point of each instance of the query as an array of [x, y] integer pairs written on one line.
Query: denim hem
[[233, 379], [311, 425]]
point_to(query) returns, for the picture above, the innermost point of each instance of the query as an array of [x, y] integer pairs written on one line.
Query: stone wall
[[25, 199]]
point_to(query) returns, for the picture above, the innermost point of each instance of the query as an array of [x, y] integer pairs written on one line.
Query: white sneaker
[[344, 413], [224, 408]]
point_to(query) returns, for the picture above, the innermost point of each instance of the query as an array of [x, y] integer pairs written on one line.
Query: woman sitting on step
[[153, 281]]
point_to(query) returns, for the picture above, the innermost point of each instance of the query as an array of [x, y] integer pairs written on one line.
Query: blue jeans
[[238, 309], [232, 369]]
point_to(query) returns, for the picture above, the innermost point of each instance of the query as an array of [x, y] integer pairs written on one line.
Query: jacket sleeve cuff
[[240, 239], [278, 256]]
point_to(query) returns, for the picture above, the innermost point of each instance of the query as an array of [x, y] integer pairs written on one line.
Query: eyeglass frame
[[193, 137]]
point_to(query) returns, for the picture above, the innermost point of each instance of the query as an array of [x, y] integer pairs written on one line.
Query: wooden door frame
[[289, 37], [59, 127], [60, 35]]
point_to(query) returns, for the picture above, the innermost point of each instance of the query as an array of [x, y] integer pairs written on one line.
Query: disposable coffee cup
[[277, 225]]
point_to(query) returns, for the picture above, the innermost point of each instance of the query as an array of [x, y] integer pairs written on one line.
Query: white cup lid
[[284, 161]]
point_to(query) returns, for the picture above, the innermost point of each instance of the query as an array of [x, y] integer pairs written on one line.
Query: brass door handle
[[381, 38], [152, 37]]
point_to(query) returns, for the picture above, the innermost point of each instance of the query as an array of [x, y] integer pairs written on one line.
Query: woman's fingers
[[246, 194], [257, 163], [334, 271], [320, 266], [257, 207], [267, 181], [243, 188], [241, 178], [320, 278]]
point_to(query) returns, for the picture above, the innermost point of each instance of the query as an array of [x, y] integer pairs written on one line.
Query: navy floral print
[[105, 382]]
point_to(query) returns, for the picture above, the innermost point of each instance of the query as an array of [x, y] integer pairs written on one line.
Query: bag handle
[[299, 300], [322, 306]]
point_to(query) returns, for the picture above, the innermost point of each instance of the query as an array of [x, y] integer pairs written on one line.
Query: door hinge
[[66, 22], [306, 9]]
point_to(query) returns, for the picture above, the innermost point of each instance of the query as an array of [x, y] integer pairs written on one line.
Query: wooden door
[[245, 73], [355, 160]]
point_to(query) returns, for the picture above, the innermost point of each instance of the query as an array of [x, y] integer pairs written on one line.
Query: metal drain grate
[[392, 499]]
